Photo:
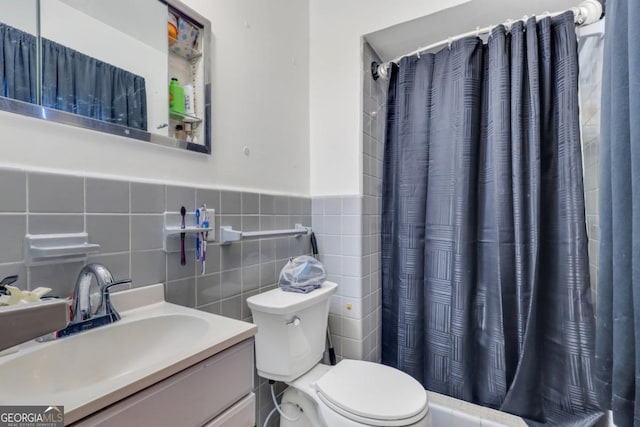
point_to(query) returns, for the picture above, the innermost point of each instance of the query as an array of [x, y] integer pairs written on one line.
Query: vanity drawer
[[189, 398], [242, 414]]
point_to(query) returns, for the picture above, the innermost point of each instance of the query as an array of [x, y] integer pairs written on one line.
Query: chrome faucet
[[84, 315], [82, 309]]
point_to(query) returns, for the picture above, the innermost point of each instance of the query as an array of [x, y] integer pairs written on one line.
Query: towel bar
[[229, 235]]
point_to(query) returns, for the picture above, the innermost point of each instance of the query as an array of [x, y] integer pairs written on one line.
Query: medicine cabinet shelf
[[185, 118]]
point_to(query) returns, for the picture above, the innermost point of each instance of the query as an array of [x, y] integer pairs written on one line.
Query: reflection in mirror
[[111, 71], [105, 76], [18, 47]]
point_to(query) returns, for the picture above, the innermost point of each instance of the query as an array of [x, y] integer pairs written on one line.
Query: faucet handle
[[105, 288], [106, 298]]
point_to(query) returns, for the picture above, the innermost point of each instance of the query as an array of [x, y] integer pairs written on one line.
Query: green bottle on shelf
[[176, 97]]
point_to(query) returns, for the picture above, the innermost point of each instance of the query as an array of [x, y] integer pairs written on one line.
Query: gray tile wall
[[374, 117], [590, 85], [126, 219], [346, 230]]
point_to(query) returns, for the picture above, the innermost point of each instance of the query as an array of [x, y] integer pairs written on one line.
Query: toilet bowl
[[355, 393], [289, 346]]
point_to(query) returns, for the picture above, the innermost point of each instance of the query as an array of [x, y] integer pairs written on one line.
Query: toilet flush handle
[[295, 321]]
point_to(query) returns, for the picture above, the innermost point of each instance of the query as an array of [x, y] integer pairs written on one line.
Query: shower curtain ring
[[449, 41], [508, 24], [477, 31]]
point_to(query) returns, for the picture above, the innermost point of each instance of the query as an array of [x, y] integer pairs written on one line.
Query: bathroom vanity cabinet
[[213, 393]]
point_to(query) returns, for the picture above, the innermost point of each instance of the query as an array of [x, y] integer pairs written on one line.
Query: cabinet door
[[187, 399]]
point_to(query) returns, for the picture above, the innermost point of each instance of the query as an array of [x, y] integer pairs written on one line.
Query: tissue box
[[188, 41]]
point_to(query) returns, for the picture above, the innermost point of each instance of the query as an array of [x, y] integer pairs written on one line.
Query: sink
[[90, 370], [76, 362]]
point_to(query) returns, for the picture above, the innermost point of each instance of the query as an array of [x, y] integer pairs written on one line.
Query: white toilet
[[289, 346]]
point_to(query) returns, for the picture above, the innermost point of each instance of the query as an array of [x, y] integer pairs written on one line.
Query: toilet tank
[[292, 330]]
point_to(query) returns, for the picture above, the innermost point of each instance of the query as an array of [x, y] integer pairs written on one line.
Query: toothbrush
[[197, 235], [205, 234], [183, 257]]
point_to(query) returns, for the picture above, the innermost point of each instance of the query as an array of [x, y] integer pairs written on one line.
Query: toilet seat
[[372, 394]]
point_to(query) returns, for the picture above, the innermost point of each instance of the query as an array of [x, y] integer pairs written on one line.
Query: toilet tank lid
[[277, 301]]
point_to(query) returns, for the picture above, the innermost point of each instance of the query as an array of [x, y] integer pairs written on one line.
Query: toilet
[[290, 344]]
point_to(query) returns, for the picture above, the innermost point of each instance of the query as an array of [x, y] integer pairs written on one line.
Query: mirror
[[143, 74], [18, 47]]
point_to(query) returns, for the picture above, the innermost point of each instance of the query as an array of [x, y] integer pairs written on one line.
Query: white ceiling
[[409, 36]]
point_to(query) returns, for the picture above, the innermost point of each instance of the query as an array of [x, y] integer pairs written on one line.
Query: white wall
[[287, 85], [260, 100], [133, 22], [261, 93], [335, 83], [337, 28], [20, 14]]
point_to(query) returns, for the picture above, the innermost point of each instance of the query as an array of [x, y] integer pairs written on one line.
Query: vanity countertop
[[91, 370]]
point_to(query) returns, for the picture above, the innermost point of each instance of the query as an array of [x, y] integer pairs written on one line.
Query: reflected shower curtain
[[18, 65], [80, 84], [71, 81], [485, 279]]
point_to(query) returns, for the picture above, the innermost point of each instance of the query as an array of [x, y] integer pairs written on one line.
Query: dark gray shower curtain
[[618, 309], [485, 279]]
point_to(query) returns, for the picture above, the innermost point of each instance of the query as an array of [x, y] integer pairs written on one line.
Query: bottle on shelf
[[189, 98], [176, 97]]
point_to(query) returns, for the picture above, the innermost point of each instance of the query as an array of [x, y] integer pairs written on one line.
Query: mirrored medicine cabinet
[[135, 68]]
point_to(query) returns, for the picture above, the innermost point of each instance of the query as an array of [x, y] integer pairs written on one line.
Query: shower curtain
[[485, 280], [618, 315]]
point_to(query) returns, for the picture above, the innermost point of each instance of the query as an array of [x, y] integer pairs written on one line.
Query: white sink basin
[[78, 361], [90, 370]]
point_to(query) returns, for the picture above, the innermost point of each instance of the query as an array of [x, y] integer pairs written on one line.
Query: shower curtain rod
[[587, 12]]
